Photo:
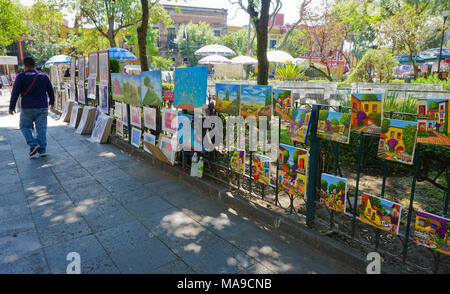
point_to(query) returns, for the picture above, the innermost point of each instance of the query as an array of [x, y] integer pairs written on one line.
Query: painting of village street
[[367, 110], [397, 140], [299, 125], [237, 161], [433, 121], [228, 98], [333, 191], [132, 90], [432, 231], [292, 170], [190, 87], [256, 100], [334, 126], [380, 213], [282, 103], [151, 88], [261, 168]]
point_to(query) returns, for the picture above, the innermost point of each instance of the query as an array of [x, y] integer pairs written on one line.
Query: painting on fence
[[299, 125], [283, 103], [380, 213], [433, 232], [237, 161], [228, 97], [293, 166], [93, 64], [256, 100], [169, 120], [119, 128], [334, 126], [151, 88], [136, 137], [103, 97], [81, 93], [367, 110], [333, 191], [148, 137], [135, 112], [117, 86], [103, 67], [150, 118], [92, 88], [181, 134], [131, 90], [261, 168], [190, 87], [433, 121], [397, 140]]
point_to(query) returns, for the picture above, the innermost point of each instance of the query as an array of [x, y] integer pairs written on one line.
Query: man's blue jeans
[[39, 117]]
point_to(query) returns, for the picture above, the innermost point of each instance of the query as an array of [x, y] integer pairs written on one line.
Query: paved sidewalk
[[121, 215]]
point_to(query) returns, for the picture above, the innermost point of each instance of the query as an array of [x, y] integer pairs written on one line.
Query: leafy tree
[[237, 41], [409, 138], [323, 115], [11, 23], [376, 118], [433, 105], [227, 95], [324, 185], [334, 122], [161, 63], [385, 126], [340, 185], [345, 119], [331, 188], [295, 43], [375, 61]]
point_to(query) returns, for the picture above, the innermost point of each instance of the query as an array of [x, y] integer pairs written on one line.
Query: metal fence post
[[129, 123], [447, 197], [313, 163], [358, 175]]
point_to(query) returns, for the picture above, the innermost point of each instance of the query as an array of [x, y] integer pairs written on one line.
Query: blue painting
[[180, 133], [151, 88], [190, 87], [256, 100]]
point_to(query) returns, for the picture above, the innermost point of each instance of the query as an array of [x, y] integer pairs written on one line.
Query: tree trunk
[[110, 33], [142, 36], [261, 37], [414, 64], [249, 40]]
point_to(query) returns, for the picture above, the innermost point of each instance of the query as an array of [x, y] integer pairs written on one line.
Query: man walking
[[34, 87]]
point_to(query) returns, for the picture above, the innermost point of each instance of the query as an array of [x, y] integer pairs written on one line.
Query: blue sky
[[222, 89], [332, 114], [359, 96], [332, 179], [254, 93], [401, 123]]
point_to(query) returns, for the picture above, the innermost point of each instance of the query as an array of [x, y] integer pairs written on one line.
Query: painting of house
[[190, 87], [366, 113], [299, 125], [237, 161], [256, 100], [293, 166], [334, 126], [432, 231], [397, 140], [380, 213], [433, 121], [261, 168], [333, 191], [228, 98], [282, 100]]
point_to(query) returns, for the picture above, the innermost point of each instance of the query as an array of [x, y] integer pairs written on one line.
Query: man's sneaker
[[34, 150], [43, 154]]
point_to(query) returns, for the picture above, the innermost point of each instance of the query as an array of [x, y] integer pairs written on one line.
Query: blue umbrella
[[121, 54], [58, 59]]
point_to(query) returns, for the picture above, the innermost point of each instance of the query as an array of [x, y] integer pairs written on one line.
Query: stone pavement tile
[[40, 203], [116, 175], [92, 256], [31, 174], [58, 214], [9, 171], [166, 186], [15, 210], [96, 166], [100, 220], [13, 198], [132, 195], [39, 190], [146, 257], [73, 184], [123, 185], [71, 174], [123, 236], [56, 234], [174, 267], [257, 269], [14, 225], [18, 245], [9, 178], [147, 207], [218, 258], [32, 263], [9, 188]]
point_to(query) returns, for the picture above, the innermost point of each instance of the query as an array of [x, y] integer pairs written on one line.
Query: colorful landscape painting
[[261, 168], [333, 191], [293, 164], [433, 121], [117, 86], [256, 100], [283, 103], [433, 232], [299, 125], [228, 97], [190, 87], [380, 213], [151, 88], [367, 110], [334, 126], [237, 161], [132, 90], [397, 140]]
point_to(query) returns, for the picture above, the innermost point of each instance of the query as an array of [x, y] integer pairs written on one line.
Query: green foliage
[[324, 185], [323, 115], [114, 65], [11, 23], [161, 63], [237, 41], [340, 185], [385, 126], [434, 79], [331, 187], [168, 87], [345, 119], [379, 61], [289, 72], [376, 118], [335, 121], [409, 138], [296, 45]]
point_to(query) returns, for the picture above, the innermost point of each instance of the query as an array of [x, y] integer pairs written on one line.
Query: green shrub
[[168, 87], [114, 65], [289, 72]]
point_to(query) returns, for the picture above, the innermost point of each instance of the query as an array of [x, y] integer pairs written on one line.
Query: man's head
[[28, 63]]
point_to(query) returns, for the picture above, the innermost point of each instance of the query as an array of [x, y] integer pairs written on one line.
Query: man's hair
[[29, 62]]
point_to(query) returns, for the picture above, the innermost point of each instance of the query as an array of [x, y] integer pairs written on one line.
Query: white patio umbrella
[[279, 56], [58, 59], [214, 59], [215, 49], [299, 60], [244, 60]]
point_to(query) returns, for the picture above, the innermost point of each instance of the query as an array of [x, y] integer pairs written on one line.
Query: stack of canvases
[[87, 121], [65, 116], [102, 129], [75, 115]]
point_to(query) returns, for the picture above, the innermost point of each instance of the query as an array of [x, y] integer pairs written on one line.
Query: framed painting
[[334, 126], [73, 69], [261, 168], [397, 140], [118, 110], [150, 118], [190, 87], [103, 97], [433, 121], [333, 192], [92, 88], [237, 161], [227, 98], [293, 167], [103, 66], [136, 118], [433, 232], [300, 124], [131, 90], [366, 113], [151, 88], [193, 144], [81, 93], [119, 128], [93, 64], [136, 137], [256, 100], [282, 104], [117, 86], [169, 120], [380, 213], [81, 69], [148, 137], [168, 147]]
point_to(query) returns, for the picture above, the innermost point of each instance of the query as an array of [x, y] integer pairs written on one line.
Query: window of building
[[374, 108], [272, 43], [217, 33], [366, 107]]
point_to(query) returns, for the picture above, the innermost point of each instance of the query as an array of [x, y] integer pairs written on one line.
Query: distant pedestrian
[[34, 87]]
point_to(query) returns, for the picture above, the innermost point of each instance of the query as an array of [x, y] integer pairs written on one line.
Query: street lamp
[[445, 13], [186, 37]]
